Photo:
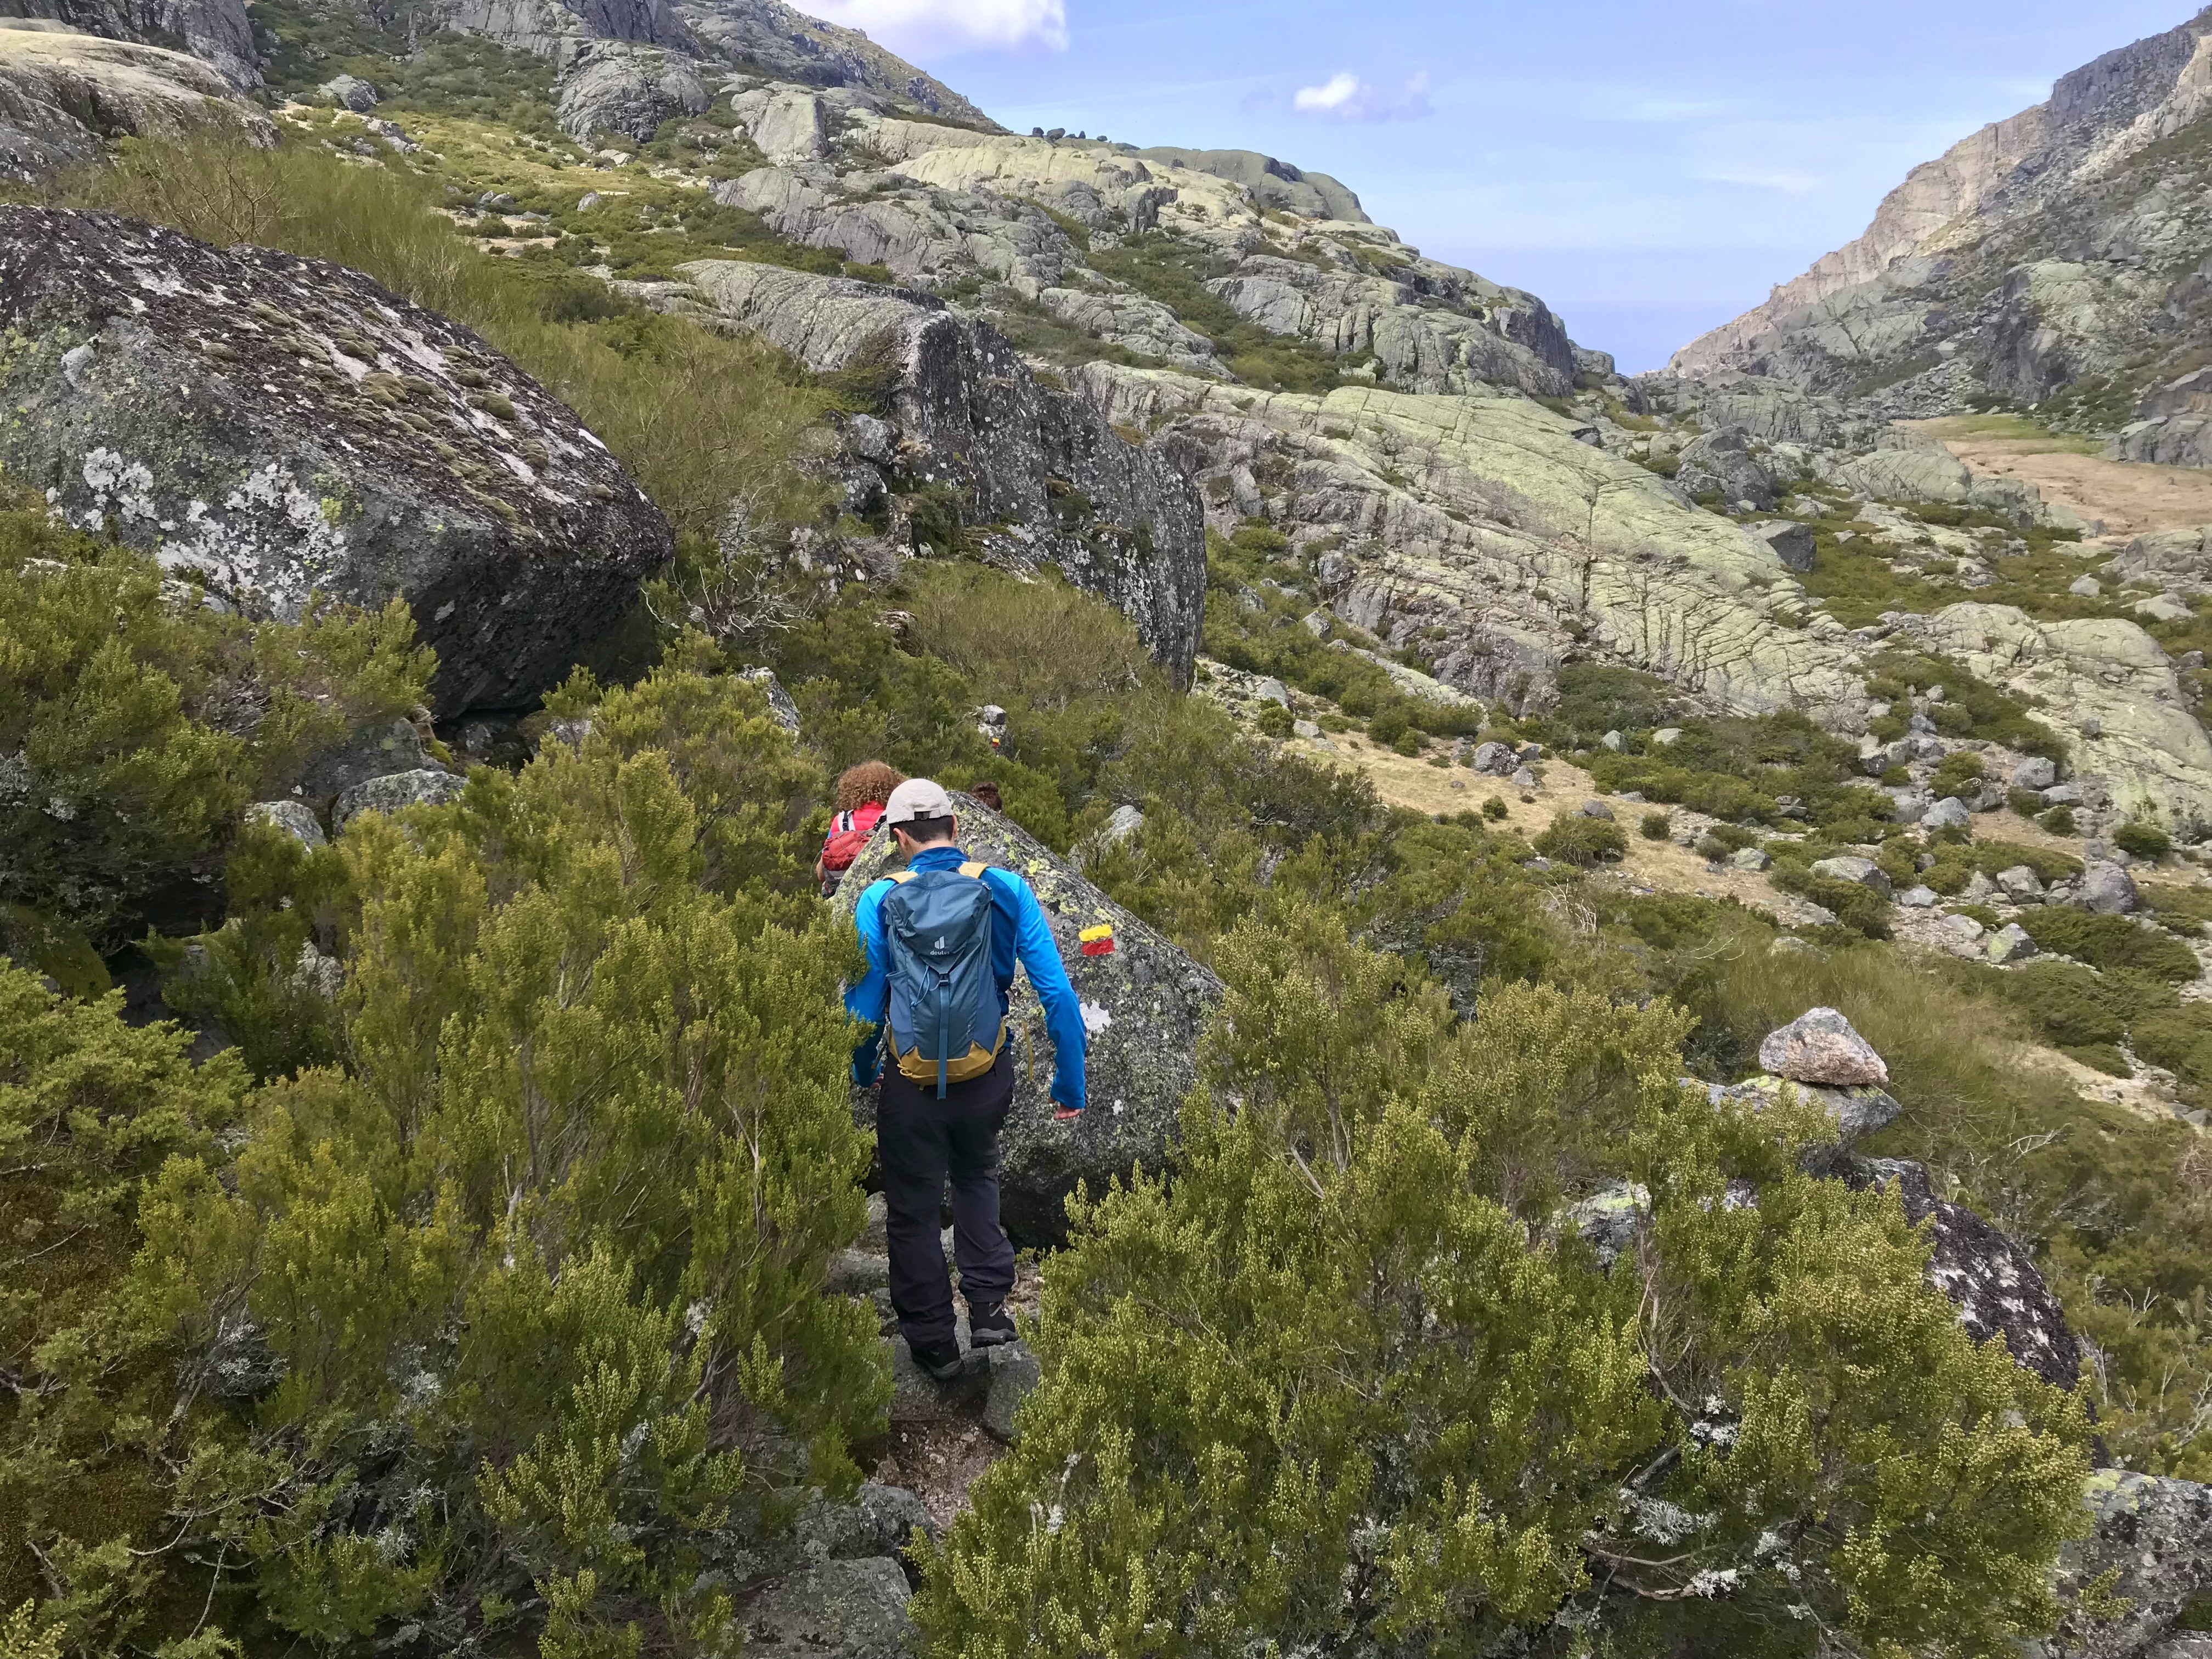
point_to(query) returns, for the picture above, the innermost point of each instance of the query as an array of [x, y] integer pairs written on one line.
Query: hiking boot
[[988, 1327], [941, 1359]]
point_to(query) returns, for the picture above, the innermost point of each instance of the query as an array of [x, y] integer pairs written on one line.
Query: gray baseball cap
[[917, 798]]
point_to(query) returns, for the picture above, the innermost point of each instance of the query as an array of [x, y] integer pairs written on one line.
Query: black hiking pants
[[921, 1140]]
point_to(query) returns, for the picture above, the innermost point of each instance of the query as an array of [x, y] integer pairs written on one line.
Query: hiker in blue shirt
[[943, 938]]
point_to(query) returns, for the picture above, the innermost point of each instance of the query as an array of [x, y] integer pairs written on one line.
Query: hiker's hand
[[1064, 1114]]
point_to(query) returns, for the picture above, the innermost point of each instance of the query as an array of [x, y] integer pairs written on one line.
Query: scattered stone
[[1524, 779], [1319, 624], [879, 1520], [834, 1610], [1495, 759], [1819, 1046], [2086, 587], [2011, 943], [1862, 873], [351, 92], [292, 816], [1948, 813], [2034, 772], [857, 1272], [1308, 729], [1607, 1219], [2106, 889], [1596, 809], [1964, 929], [1667, 737], [1612, 740], [1015, 1375], [394, 792], [1918, 898], [1270, 690], [1751, 858], [2021, 885], [1978, 887], [1792, 542]]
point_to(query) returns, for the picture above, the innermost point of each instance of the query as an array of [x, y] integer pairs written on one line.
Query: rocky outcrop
[[773, 40], [1274, 185], [1038, 471], [2064, 244], [2098, 674], [617, 88], [277, 427], [64, 96], [216, 32], [1145, 1002], [1483, 534], [558, 28]]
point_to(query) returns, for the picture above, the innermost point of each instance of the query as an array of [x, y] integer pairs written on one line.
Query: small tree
[[1356, 1381]]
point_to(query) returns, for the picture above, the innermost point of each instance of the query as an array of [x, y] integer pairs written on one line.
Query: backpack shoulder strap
[[902, 877], [973, 870]]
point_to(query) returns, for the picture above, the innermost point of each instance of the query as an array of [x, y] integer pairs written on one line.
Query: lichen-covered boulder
[[1994, 1281], [280, 426], [394, 792], [2157, 1533], [1857, 1109], [832, 1609], [1144, 1001]]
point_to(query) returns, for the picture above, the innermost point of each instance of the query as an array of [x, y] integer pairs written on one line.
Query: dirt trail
[[2130, 497]]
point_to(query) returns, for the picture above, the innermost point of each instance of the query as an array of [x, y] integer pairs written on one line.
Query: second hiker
[[861, 792], [943, 937]]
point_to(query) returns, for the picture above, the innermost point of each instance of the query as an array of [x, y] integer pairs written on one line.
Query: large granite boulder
[[279, 427], [63, 95], [1040, 467], [619, 86], [1720, 462], [1146, 1003]]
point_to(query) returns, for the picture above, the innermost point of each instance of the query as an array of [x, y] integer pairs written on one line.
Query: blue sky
[[1650, 170]]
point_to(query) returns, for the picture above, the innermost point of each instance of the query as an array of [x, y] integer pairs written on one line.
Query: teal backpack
[[944, 1020]]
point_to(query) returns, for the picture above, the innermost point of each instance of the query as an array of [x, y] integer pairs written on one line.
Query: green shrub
[[2059, 821], [1274, 721], [1654, 826], [2182, 910], [2109, 942], [1572, 838], [121, 708], [2140, 838], [1217, 1397], [2101, 1057], [646, 1157], [1495, 809], [2028, 803], [1955, 772], [1408, 742]]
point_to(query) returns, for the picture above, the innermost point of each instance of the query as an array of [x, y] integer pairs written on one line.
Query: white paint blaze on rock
[[1820, 1046]]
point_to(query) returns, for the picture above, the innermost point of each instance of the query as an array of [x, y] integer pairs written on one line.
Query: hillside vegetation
[[448, 1275]]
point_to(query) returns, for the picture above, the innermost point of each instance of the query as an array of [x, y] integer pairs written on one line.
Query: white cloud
[[1345, 97], [941, 27]]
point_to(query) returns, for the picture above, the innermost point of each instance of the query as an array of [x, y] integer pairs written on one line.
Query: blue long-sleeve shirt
[[1020, 933]]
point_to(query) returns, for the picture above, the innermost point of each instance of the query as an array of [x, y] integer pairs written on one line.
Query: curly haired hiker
[[861, 792], [944, 937]]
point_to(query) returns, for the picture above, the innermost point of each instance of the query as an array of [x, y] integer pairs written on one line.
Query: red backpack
[[848, 834]]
